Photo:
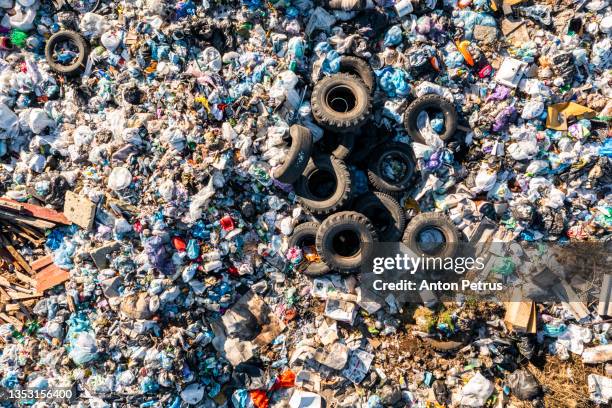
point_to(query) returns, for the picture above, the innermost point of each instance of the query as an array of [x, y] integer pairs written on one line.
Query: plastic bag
[[120, 178], [524, 385], [84, 348], [476, 392]]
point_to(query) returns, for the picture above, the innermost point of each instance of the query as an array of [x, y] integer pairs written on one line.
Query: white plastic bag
[[476, 392], [84, 349], [119, 179]]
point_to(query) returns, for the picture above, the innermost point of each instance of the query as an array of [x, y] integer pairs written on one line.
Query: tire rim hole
[[434, 113], [341, 99], [307, 246], [329, 142], [394, 168], [431, 240], [346, 243], [65, 52], [322, 184], [379, 217]]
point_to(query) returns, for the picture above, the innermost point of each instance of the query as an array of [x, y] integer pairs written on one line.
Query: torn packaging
[[249, 324]]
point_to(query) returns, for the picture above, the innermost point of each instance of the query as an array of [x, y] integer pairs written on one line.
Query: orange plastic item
[[463, 49], [260, 398], [285, 380], [434, 63]]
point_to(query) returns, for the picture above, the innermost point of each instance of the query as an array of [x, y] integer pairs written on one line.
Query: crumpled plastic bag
[[93, 25], [532, 109], [319, 19], [9, 122], [200, 200], [476, 392], [524, 149], [424, 124], [84, 348], [393, 36], [38, 121], [394, 81], [120, 178], [485, 179], [427, 87], [524, 385], [193, 393]]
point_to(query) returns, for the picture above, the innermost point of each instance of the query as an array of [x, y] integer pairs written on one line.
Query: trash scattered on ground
[[189, 192]]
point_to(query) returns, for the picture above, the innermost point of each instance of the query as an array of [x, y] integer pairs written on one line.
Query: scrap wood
[[15, 229], [9, 319], [50, 276], [16, 255], [23, 296], [36, 211], [25, 219], [42, 262]]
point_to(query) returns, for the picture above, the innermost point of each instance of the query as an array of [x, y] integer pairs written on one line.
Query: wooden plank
[[20, 233], [12, 307], [570, 300], [15, 322], [23, 296], [4, 296], [42, 262], [50, 277], [40, 212], [16, 254], [12, 206], [33, 232], [26, 219], [25, 278]]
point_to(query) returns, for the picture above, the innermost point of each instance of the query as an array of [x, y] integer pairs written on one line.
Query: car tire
[[342, 240], [306, 234], [341, 102], [359, 68], [298, 156], [341, 145], [400, 153], [79, 64], [325, 185], [385, 213], [430, 101], [432, 221]]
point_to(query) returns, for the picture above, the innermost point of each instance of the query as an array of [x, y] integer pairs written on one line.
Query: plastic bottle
[[462, 46]]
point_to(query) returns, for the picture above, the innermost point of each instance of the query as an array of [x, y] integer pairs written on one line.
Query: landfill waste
[[189, 191]]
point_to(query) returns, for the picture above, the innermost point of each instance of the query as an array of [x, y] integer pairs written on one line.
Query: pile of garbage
[[189, 190]]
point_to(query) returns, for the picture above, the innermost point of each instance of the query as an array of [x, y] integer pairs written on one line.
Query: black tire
[[432, 221], [78, 64], [325, 185], [338, 145], [449, 345], [305, 234], [359, 68], [435, 102], [398, 155], [368, 139], [297, 157], [385, 213], [343, 238], [341, 102]]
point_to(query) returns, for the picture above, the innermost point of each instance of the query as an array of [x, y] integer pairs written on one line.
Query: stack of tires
[[341, 105]]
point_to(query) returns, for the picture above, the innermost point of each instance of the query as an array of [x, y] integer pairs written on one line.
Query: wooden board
[[38, 212], [50, 276]]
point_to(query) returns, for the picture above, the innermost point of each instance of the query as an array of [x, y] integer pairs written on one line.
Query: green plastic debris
[[18, 38], [505, 267]]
